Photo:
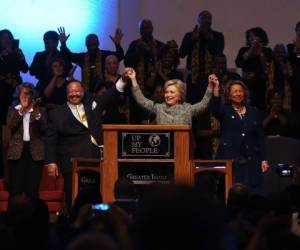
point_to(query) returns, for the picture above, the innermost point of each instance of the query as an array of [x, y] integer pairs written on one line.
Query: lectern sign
[[144, 144], [88, 179]]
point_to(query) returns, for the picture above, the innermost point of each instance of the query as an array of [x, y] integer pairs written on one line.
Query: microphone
[[151, 114]]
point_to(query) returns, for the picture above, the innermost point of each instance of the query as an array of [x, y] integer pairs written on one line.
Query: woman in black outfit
[[242, 138], [254, 60]]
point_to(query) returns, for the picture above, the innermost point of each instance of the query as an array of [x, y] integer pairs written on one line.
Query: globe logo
[[154, 140]]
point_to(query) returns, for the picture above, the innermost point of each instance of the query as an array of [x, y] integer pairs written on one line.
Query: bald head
[[146, 28], [111, 64], [205, 19]]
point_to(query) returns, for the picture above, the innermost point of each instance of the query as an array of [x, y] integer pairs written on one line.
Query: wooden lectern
[[213, 166], [80, 165], [179, 157]]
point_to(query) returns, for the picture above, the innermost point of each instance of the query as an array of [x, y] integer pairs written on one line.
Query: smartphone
[[285, 170], [101, 207], [16, 43]]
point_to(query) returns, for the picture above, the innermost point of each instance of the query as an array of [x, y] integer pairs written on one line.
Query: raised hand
[[118, 36], [62, 35], [214, 84], [130, 72], [264, 166], [213, 81]]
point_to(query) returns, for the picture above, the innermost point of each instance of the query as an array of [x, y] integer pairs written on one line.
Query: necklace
[[240, 110]]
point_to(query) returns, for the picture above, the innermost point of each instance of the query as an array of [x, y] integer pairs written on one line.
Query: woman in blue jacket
[[242, 138]]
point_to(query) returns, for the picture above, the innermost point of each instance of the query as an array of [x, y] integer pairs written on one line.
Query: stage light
[[28, 20]]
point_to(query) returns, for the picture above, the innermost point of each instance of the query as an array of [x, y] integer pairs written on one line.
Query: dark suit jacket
[[134, 54], [240, 136], [214, 46], [37, 130], [66, 137]]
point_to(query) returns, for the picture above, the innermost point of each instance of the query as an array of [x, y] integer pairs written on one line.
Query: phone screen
[[101, 207]]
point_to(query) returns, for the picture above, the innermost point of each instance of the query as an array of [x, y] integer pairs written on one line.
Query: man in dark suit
[[75, 130]]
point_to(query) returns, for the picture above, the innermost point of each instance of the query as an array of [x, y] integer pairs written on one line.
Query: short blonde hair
[[111, 57], [180, 85]]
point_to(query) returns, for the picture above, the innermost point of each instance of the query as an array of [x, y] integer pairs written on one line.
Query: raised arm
[[136, 91], [216, 104], [213, 86], [112, 96], [117, 42], [74, 57]]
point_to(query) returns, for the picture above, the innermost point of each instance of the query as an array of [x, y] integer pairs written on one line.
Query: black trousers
[[68, 190], [65, 165], [25, 174]]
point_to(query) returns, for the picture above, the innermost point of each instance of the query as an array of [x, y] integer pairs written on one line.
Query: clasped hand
[[131, 74], [213, 81]]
